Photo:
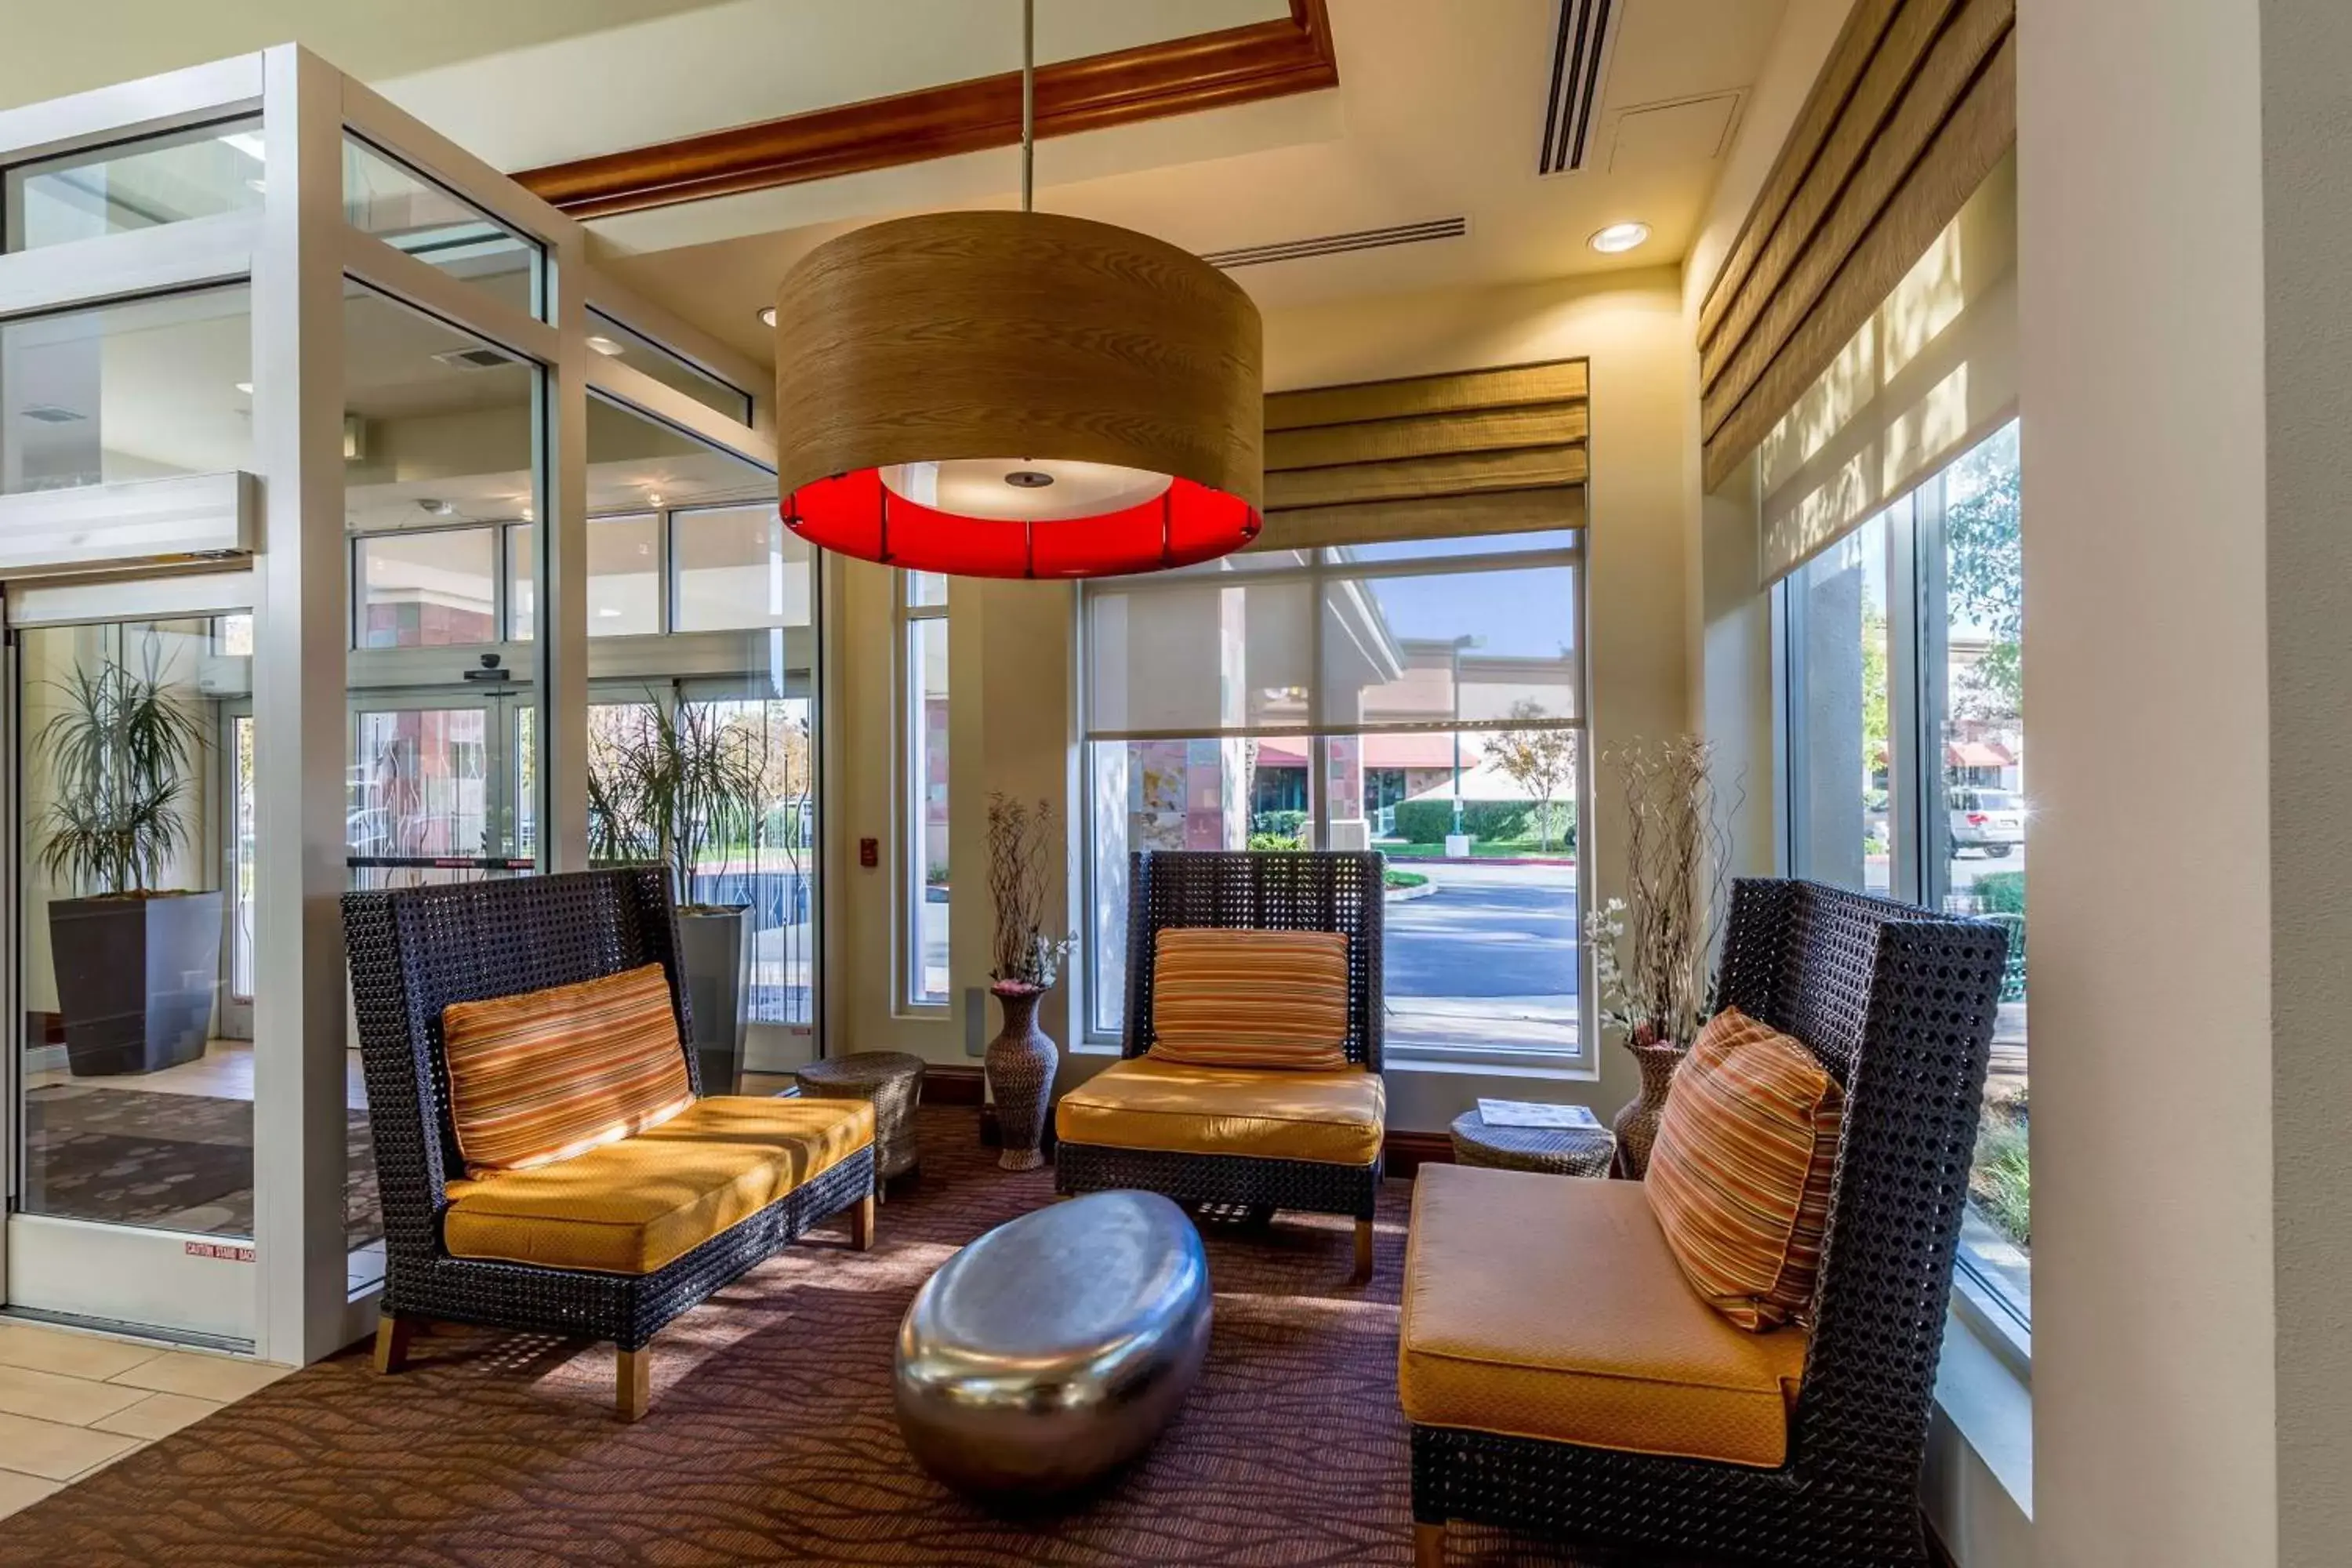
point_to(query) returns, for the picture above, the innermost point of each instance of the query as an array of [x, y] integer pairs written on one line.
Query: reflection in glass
[[141, 390], [1844, 778], [927, 810], [201, 172], [404, 208], [428, 590], [608, 336], [1981, 866], [738, 567], [135, 1111], [623, 578]]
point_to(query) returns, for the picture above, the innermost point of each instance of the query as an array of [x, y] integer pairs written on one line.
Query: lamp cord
[[1028, 104]]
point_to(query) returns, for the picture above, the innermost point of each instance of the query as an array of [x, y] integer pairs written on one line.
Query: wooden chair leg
[[391, 1336], [861, 1225], [1363, 1251], [634, 1388], [1428, 1545]]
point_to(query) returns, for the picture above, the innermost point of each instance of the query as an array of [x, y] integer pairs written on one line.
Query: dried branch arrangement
[[1022, 841], [1651, 948]]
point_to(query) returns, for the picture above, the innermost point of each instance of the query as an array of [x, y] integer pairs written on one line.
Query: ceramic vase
[[1636, 1125], [1020, 1062]]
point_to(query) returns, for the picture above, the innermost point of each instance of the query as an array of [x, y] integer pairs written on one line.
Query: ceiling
[[1439, 114]]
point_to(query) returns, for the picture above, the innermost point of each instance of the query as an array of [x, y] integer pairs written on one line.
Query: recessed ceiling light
[[604, 345], [1619, 236], [652, 497], [767, 315], [439, 508], [245, 387]]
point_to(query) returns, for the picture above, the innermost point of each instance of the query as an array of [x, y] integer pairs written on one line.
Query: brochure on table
[[1531, 1113]]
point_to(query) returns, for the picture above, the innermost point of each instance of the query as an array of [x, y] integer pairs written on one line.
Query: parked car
[[1990, 820]]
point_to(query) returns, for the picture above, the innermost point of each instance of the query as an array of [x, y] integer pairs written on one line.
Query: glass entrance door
[[440, 787], [133, 1129]]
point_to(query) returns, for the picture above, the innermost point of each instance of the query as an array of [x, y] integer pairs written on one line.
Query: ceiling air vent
[[49, 414], [475, 359], [1578, 55], [1340, 243]]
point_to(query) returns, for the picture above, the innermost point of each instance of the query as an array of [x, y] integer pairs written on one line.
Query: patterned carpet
[[770, 1437], [177, 1161]]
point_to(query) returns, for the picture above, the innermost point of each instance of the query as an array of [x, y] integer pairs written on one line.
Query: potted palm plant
[[680, 786], [138, 966]]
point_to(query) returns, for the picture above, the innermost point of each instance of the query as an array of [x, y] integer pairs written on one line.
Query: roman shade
[[1483, 451], [1932, 373], [1911, 115]]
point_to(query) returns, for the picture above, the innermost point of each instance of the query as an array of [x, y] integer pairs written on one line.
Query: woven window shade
[[1483, 452], [1914, 109]]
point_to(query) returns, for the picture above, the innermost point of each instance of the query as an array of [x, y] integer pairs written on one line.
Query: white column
[[2157, 655], [299, 647]]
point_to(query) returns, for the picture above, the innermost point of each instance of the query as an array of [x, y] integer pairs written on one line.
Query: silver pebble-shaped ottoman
[[1056, 1347]]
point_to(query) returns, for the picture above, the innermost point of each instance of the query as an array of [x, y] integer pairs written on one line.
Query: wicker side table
[[1554, 1151], [893, 1081]]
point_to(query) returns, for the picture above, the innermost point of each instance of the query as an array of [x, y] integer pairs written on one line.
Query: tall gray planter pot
[[715, 949], [136, 979]]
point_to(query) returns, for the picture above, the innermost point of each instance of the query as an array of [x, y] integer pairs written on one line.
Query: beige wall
[[2149, 656], [1012, 724]]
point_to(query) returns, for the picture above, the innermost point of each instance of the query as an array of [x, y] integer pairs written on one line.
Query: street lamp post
[[1455, 683]]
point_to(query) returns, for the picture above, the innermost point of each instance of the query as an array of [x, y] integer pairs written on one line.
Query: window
[[428, 589], [738, 569], [201, 172], [607, 336], [410, 213], [1904, 743], [1422, 698], [141, 389], [623, 577], [923, 641]]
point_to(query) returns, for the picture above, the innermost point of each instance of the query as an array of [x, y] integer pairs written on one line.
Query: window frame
[[910, 619], [1322, 565], [1919, 825]]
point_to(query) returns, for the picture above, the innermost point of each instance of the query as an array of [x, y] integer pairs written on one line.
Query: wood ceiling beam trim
[[1151, 81]]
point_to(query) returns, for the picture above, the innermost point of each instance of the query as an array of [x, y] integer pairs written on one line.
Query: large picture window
[[1905, 744], [1423, 698]]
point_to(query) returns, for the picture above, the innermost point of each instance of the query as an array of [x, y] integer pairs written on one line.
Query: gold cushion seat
[[633, 1206], [1550, 1306], [1143, 1102]]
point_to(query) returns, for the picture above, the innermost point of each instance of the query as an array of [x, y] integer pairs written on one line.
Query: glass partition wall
[[387, 551]]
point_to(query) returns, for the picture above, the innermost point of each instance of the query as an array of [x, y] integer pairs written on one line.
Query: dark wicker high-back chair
[[1256, 890], [415, 951], [1899, 1006]]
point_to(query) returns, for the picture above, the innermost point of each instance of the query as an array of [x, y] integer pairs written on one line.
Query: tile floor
[[72, 1403]]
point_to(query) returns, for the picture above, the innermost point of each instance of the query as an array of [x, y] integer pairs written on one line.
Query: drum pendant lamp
[[1018, 394]]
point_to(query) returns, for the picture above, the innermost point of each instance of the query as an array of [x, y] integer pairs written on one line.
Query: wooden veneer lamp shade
[[1036, 343]]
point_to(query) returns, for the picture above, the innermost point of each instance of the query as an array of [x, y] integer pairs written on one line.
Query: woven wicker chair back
[[1329, 891], [414, 951], [1899, 1006]]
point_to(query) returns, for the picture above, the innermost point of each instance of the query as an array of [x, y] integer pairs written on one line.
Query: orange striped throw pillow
[[1250, 998], [1739, 1176], [546, 1075]]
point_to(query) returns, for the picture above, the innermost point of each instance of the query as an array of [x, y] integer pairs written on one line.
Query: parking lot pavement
[[1491, 931]]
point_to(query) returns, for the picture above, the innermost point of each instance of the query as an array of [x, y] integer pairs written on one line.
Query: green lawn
[[1480, 849], [1405, 879]]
